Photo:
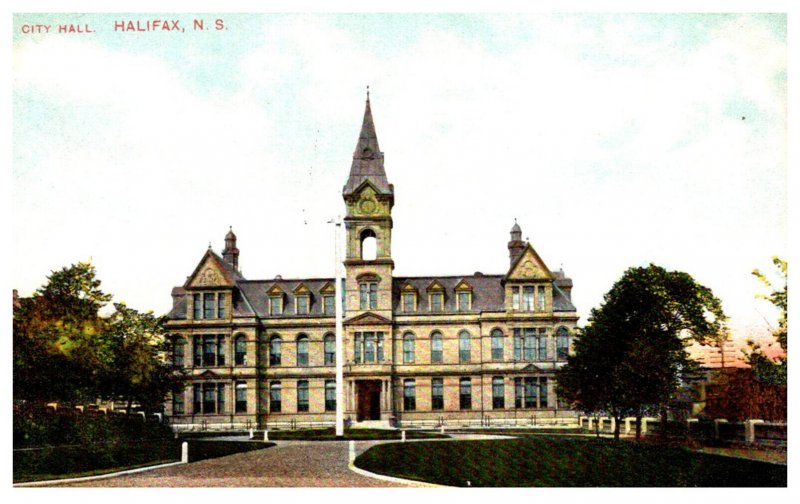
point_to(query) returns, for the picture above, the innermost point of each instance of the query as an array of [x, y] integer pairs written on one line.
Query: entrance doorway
[[368, 399]]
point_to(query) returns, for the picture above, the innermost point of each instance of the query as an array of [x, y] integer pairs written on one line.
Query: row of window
[[209, 305], [302, 396], [302, 305], [530, 344], [209, 399], [436, 301], [528, 298], [529, 392]]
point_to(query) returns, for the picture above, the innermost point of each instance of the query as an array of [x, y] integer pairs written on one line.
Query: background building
[[417, 349]]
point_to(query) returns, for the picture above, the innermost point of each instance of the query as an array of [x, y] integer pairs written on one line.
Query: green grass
[[553, 461], [98, 472], [349, 434]]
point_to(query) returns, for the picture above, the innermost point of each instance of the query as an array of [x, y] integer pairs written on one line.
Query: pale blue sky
[[615, 140]]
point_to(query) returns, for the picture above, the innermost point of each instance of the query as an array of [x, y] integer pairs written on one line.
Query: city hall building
[[417, 350]]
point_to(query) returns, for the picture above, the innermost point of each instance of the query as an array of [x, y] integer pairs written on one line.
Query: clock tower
[[369, 198]]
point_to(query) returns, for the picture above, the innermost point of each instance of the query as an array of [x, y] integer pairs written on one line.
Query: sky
[[614, 140]]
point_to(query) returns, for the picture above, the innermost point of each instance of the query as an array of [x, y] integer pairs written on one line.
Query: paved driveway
[[289, 464]]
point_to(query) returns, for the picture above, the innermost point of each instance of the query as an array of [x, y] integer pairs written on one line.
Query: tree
[[58, 350], [766, 369], [65, 351], [138, 371], [631, 357]]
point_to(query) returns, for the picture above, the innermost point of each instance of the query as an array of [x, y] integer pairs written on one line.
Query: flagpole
[[339, 309]]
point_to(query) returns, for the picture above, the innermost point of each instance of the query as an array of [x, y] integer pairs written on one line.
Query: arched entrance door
[[369, 400]]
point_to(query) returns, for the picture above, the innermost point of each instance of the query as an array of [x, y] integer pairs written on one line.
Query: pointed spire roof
[[368, 159]]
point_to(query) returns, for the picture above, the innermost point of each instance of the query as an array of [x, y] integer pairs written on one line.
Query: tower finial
[[367, 92]]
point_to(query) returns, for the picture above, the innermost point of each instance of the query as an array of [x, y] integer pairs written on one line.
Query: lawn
[[562, 461]]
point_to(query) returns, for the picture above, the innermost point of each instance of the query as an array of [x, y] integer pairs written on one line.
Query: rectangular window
[[241, 397], [517, 344], [380, 347], [498, 393], [330, 309], [408, 350], [178, 352], [373, 296], [369, 347], [437, 393], [437, 299], [518, 392], [363, 295], [409, 395], [302, 395], [531, 389], [541, 298], [197, 399], [527, 298], [275, 351], [302, 305], [275, 306], [209, 398], [408, 302], [220, 350], [515, 298], [275, 397], [463, 301], [302, 351], [543, 392], [177, 404], [220, 398], [209, 305], [198, 306], [209, 351], [221, 305], [542, 344], [465, 394], [240, 351], [358, 348], [330, 395], [529, 342], [437, 348]]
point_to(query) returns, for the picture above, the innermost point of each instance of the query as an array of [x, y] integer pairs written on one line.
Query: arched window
[[562, 343], [329, 342], [497, 344], [437, 347], [240, 350], [275, 351], [178, 351], [302, 350], [464, 346], [408, 348], [369, 245]]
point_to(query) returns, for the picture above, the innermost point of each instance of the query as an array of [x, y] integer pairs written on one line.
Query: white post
[[718, 421], [600, 422], [339, 310], [251, 433], [441, 429], [590, 422], [403, 436], [644, 425], [750, 430], [613, 426], [266, 434], [628, 425], [185, 452]]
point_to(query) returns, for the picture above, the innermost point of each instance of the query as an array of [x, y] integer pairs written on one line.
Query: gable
[[529, 266], [210, 272], [435, 286], [368, 201], [328, 288], [275, 290], [368, 319], [463, 285], [301, 289]]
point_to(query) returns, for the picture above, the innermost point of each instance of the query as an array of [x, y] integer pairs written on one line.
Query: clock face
[[368, 205]]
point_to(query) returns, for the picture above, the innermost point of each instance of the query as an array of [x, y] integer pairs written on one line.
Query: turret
[[231, 253], [516, 246]]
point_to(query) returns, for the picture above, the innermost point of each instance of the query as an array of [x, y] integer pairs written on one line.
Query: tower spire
[[368, 158]]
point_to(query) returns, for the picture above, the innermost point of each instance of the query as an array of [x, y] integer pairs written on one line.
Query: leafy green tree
[[765, 368], [631, 357], [58, 351], [139, 371]]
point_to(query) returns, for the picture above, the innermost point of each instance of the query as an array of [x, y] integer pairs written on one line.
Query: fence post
[[718, 421], [600, 422], [613, 425], [441, 428], [251, 433], [644, 426], [266, 434], [627, 425], [750, 430], [185, 452], [589, 423], [403, 436]]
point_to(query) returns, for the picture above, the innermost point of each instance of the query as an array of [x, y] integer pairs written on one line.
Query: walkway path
[[288, 464]]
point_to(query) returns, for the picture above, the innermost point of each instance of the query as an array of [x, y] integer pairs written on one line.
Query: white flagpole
[[339, 309]]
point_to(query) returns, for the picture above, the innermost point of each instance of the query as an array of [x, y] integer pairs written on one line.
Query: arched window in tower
[[369, 245]]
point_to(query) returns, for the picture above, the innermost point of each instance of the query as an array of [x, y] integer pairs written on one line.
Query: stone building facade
[[416, 349]]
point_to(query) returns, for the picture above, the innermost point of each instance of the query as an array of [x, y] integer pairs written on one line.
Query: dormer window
[[436, 297], [302, 305], [302, 300], [328, 292], [463, 296], [409, 298], [527, 297], [540, 300], [275, 305]]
